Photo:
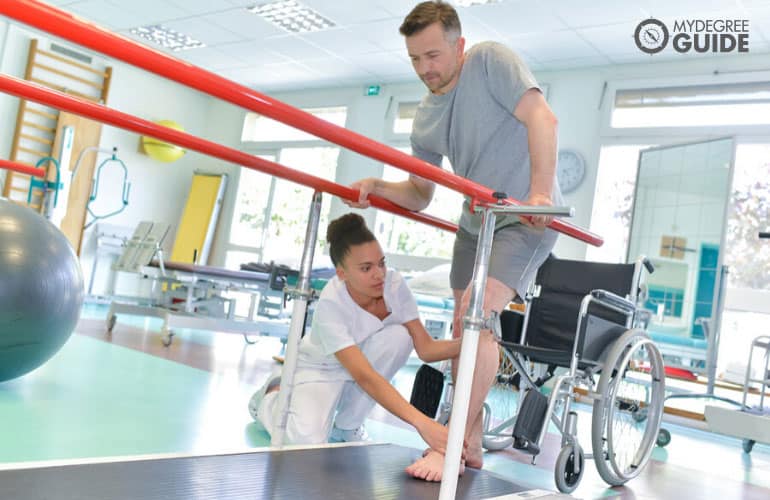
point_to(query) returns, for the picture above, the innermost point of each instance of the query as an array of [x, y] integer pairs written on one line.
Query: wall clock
[[570, 170]]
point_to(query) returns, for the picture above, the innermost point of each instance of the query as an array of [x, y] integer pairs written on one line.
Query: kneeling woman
[[364, 327]]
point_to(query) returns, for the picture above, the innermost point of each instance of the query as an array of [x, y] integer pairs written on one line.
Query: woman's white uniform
[[322, 386]]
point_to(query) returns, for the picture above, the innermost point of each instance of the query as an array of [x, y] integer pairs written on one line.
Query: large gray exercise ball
[[41, 290]]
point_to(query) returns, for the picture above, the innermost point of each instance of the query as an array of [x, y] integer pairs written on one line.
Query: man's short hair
[[427, 13]]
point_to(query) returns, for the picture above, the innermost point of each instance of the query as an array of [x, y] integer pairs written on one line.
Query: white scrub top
[[338, 322]]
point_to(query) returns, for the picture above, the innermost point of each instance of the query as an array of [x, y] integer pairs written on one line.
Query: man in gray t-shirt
[[486, 114]]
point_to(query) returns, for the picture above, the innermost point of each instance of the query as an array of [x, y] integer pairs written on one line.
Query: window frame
[[275, 149], [230, 246], [419, 261], [307, 109], [675, 134], [389, 136]]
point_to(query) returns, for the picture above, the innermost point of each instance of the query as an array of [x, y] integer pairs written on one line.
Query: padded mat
[[349, 472]]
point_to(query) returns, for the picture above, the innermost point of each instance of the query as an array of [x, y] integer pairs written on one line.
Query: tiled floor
[[127, 394]]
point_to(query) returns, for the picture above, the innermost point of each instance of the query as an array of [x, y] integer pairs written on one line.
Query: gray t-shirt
[[474, 127]]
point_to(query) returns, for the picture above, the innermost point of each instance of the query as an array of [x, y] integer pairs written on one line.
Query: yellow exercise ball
[[163, 151]]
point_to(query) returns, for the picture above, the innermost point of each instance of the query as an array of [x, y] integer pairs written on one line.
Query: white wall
[[158, 190]]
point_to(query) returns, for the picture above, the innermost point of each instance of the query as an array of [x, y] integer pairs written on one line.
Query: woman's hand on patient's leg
[[435, 435]]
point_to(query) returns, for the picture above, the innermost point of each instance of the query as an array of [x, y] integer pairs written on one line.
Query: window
[[258, 128], [698, 105], [290, 207], [747, 302], [405, 236], [270, 215], [613, 201], [749, 213], [402, 122], [400, 235], [251, 208]]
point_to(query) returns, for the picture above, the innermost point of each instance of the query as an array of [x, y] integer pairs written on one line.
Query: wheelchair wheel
[[632, 384], [501, 406], [569, 468]]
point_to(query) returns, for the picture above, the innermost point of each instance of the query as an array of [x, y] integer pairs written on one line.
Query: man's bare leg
[[496, 297]]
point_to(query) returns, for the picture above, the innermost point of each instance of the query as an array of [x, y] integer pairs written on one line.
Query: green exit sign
[[373, 90]]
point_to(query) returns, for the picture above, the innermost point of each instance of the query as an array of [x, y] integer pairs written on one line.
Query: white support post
[[301, 295], [472, 324]]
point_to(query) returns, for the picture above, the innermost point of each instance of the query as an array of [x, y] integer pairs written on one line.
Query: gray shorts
[[517, 253]]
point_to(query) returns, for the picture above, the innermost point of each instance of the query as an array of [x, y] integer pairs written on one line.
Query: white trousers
[[317, 405]]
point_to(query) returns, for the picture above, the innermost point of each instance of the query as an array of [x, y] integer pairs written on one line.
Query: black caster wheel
[[569, 468], [664, 437]]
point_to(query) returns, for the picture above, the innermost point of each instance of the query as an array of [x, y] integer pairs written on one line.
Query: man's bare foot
[[430, 467], [474, 457]]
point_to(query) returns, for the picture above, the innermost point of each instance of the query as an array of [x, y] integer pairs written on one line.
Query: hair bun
[[344, 232], [346, 224]]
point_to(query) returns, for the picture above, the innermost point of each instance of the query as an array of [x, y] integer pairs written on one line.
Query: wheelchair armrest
[[614, 301]]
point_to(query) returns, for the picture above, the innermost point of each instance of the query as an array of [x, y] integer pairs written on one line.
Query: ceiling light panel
[[292, 16], [167, 38]]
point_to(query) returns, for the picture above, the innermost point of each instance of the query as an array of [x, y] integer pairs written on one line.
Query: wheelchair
[[584, 331]]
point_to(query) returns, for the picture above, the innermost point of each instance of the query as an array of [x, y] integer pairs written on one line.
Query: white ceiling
[[365, 46]]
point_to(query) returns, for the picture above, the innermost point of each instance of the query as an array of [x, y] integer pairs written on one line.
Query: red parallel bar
[[22, 169], [56, 99], [69, 27]]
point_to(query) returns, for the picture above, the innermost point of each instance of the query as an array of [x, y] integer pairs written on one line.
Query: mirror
[[678, 221]]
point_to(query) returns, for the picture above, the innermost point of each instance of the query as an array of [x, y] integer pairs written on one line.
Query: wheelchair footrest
[[529, 422], [427, 389], [526, 446]]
